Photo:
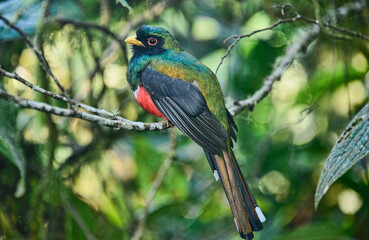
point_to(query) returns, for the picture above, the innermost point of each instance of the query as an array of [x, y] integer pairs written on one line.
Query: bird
[[170, 83]]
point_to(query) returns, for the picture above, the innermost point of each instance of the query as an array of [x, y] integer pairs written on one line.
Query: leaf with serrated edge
[[351, 147]]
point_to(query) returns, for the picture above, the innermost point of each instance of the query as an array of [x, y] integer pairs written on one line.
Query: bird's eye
[[152, 41]]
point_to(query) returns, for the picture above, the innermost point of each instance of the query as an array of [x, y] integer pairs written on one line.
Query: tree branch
[[117, 124], [292, 51], [341, 11], [276, 74], [57, 96]]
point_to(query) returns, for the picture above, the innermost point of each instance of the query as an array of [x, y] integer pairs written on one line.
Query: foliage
[[350, 148], [65, 178]]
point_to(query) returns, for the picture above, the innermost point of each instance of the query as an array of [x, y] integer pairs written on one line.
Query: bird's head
[[151, 40]]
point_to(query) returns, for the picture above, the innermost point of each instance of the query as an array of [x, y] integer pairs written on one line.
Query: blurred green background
[[64, 178]]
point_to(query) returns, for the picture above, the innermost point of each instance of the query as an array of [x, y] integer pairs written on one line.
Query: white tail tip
[[216, 175], [235, 222], [260, 214]]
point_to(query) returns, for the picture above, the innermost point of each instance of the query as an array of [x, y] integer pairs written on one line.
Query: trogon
[[172, 84]]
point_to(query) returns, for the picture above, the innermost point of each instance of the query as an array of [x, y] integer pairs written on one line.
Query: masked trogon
[[170, 83]]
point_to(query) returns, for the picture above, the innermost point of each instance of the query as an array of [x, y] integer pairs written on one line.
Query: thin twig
[[39, 54], [349, 32], [156, 185]]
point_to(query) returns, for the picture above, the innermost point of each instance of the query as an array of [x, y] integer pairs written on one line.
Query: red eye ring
[[152, 41]]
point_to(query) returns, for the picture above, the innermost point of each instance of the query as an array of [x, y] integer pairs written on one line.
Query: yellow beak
[[133, 40]]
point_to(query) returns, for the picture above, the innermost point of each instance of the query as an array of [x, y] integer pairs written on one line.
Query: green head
[[151, 40]]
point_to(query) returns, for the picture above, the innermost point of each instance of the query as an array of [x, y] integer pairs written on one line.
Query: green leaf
[[124, 4], [351, 147], [9, 144]]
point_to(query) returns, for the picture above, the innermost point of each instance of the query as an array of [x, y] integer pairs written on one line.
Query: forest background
[[295, 73]]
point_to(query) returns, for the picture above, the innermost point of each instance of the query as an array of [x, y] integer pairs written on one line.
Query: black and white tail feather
[[248, 216]]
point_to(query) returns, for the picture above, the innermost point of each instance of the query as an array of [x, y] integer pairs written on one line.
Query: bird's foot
[[167, 123]]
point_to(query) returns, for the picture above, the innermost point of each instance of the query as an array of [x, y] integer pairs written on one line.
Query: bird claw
[[167, 123]]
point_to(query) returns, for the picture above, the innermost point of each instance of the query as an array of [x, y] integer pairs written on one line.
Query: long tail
[[247, 214]]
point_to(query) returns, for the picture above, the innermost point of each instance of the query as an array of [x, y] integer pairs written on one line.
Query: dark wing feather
[[233, 127], [185, 106]]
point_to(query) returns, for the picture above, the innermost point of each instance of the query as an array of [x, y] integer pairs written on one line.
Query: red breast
[[143, 98]]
